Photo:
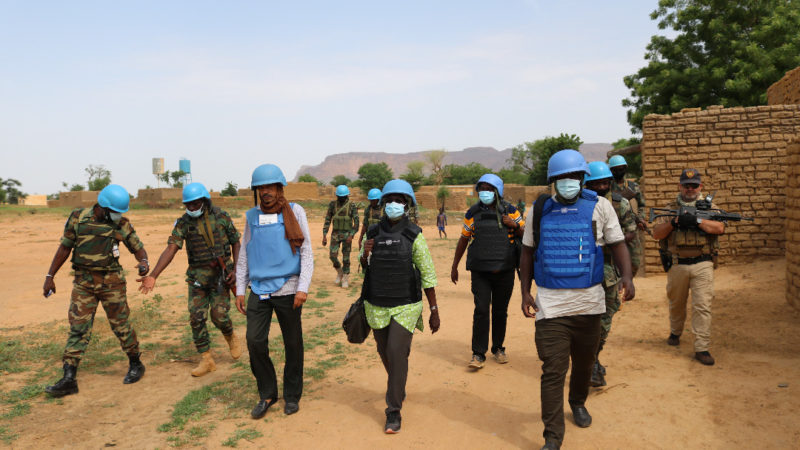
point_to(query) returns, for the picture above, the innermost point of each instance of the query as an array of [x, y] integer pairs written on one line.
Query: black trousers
[[394, 346], [493, 289], [557, 341], [259, 318]]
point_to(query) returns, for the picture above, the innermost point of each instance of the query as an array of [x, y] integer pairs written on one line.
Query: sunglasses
[[691, 186]]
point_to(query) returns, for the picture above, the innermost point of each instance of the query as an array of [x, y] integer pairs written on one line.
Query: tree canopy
[[308, 178], [9, 191], [724, 53], [414, 176], [340, 179], [531, 158], [373, 175], [99, 177], [468, 174]]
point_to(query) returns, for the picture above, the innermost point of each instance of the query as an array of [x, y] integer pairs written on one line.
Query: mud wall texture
[[76, 199], [793, 224], [785, 91], [741, 154]]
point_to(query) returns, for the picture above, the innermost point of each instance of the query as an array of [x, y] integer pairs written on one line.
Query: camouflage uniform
[[612, 275], [98, 279], [345, 225], [633, 194], [206, 290], [371, 216], [413, 216]]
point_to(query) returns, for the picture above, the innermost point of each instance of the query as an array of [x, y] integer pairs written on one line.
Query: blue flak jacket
[[270, 261], [568, 256]]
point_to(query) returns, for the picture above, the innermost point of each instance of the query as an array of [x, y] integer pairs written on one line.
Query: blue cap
[[115, 198], [566, 161], [398, 186], [493, 180], [598, 171], [267, 174], [193, 191]]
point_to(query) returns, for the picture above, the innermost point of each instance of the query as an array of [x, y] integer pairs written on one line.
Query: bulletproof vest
[[392, 278], [95, 242], [270, 258], [689, 243], [568, 256], [372, 215], [196, 248], [490, 250], [341, 220]]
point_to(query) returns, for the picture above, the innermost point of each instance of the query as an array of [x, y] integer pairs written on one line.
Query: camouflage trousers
[[89, 289], [636, 252], [206, 300], [612, 306], [337, 240]]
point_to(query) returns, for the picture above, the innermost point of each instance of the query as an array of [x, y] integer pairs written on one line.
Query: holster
[[666, 259]]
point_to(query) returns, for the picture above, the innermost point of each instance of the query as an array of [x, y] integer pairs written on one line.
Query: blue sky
[[231, 85]]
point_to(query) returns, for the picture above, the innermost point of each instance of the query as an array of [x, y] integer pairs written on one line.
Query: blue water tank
[[185, 166]]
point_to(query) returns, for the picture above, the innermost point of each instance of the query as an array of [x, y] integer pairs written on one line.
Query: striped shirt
[[469, 222]]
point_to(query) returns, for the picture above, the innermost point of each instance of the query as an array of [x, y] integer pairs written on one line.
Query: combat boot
[[598, 379], [206, 365], [65, 386], [234, 345], [345, 280], [339, 275], [135, 369]]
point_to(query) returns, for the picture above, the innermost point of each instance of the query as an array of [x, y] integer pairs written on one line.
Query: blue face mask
[[115, 216], [394, 210], [195, 214], [568, 188], [487, 197]]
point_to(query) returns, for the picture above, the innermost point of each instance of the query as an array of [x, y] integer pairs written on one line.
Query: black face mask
[[602, 193]]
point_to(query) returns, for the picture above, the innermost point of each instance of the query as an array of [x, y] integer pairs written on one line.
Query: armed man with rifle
[[211, 241], [633, 194], [688, 234]]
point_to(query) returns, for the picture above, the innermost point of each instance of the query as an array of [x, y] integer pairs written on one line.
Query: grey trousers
[[394, 346]]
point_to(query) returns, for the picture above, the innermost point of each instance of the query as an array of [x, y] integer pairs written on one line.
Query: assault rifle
[[701, 210]]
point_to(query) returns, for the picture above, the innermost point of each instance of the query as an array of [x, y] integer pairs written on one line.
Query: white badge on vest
[[267, 219]]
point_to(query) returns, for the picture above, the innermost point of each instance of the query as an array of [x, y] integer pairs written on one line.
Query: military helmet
[[115, 198], [193, 191], [493, 180], [267, 174], [398, 186], [374, 194], [342, 190], [598, 170], [565, 161], [616, 161]]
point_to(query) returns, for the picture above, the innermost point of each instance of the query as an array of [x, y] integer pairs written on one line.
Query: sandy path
[[657, 396]]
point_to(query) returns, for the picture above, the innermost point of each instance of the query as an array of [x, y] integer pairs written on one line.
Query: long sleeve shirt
[[296, 282]]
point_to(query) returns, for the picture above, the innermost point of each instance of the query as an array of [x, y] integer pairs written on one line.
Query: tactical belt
[[695, 260]]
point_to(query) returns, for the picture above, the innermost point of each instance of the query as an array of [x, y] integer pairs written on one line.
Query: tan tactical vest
[[689, 243], [95, 242]]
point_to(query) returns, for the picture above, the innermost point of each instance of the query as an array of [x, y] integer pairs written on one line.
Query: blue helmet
[[374, 194], [566, 161], [398, 186], [598, 170], [616, 161], [492, 179], [342, 191], [267, 174], [193, 191], [114, 197]]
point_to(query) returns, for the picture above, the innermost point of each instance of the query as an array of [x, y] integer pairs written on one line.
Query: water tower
[[185, 166], [158, 169]]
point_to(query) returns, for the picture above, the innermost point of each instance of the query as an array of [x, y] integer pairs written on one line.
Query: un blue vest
[[270, 261], [568, 256]]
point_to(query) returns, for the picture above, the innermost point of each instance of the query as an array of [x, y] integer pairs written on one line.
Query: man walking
[[344, 216]]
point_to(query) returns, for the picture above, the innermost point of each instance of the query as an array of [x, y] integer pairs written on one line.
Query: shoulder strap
[[538, 208], [616, 197], [411, 232], [342, 208], [372, 231]]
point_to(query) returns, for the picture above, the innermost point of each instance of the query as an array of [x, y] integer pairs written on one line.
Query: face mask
[[394, 210], [115, 216], [487, 197], [568, 188], [601, 193], [195, 214]]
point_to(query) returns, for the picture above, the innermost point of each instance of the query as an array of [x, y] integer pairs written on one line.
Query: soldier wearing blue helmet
[[494, 228], [632, 192], [399, 268], [372, 213], [212, 246], [562, 250], [344, 215], [93, 235]]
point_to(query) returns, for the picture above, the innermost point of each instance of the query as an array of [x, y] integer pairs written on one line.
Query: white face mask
[[195, 214], [115, 216], [487, 197], [568, 188]]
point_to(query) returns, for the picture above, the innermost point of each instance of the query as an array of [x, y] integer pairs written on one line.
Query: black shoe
[[393, 420], [135, 369], [581, 416], [67, 385], [673, 339], [261, 408], [291, 408], [597, 379], [551, 445], [705, 358]]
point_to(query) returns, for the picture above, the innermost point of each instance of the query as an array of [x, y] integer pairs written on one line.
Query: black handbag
[[355, 323]]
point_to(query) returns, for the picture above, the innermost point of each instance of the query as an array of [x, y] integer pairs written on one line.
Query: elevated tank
[[185, 166]]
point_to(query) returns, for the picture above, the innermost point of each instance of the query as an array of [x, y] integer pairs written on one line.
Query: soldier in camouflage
[[93, 235], [211, 241], [344, 215], [631, 192], [372, 213], [600, 182]]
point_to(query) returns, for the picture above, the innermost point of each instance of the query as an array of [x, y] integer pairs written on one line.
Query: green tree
[[76, 188], [9, 191], [724, 53], [231, 190], [99, 177], [174, 179], [414, 176], [468, 174], [511, 176], [373, 175], [531, 158], [341, 179], [435, 159], [634, 160], [442, 194], [308, 178]]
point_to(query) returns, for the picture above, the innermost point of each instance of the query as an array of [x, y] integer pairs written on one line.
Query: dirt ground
[[657, 396]]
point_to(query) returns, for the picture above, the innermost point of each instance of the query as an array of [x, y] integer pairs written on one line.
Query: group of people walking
[[579, 245]]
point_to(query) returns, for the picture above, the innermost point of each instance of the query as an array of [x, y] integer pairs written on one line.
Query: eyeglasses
[[691, 186]]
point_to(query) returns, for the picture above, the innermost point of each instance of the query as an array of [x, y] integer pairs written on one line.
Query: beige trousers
[[700, 279]]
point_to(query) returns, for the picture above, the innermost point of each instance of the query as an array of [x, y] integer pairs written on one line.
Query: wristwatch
[[434, 307], [699, 221]]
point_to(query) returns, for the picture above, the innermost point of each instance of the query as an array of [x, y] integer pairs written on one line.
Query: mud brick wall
[[785, 91], [793, 224], [74, 199], [741, 155]]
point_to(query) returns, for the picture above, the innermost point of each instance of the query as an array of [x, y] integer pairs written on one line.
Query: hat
[[690, 176]]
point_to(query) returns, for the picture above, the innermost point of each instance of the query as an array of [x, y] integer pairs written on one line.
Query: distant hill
[[347, 164]]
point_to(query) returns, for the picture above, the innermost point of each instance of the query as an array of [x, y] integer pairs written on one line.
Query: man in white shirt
[[562, 251]]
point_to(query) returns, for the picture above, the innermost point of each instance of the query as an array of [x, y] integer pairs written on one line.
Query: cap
[[690, 176]]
